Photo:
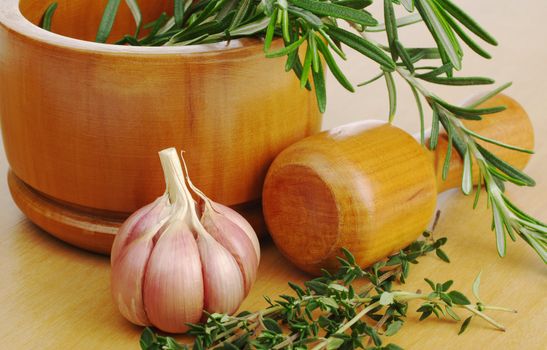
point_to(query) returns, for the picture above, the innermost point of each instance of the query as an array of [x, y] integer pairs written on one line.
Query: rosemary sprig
[[311, 26], [352, 308], [507, 219]]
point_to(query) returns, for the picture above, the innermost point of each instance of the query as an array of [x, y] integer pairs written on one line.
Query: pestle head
[[367, 186]]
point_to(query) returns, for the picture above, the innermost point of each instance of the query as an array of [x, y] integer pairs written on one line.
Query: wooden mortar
[[370, 187], [82, 122]]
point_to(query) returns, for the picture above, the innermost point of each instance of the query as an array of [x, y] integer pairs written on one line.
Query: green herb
[[107, 21], [313, 25], [48, 15], [350, 309]]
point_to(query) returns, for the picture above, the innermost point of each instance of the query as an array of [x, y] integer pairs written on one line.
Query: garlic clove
[[173, 283], [240, 221], [127, 280], [235, 240], [144, 221], [222, 279]]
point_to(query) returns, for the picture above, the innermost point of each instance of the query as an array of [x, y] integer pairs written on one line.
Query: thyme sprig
[[312, 27], [352, 308]]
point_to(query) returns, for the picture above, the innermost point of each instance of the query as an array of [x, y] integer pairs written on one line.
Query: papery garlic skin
[[235, 240], [144, 221], [240, 221], [127, 280], [129, 256], [223, 283], [168, 266], [173, 285]]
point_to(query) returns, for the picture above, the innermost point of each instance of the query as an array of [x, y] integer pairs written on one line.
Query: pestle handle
[[511, 126]]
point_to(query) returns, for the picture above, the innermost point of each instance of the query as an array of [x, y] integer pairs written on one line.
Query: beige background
[[55, 296]]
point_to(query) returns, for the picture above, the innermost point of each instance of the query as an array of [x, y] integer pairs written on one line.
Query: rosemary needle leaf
[[270, 31], [306, 68], [434, 137], [333, 66], [332, 44], [241, 13], [287, 49], [467, 21], [444, 69], [312, 42], [408, 5], [354, 4], [440, 31], [361, 45], [420, 112], [307, 16], [298, 69], [131, 40], [488, 95], [285, 23], [251, 28], [179, 13], [392, 94], [496, 142], [467, 175], [137, 16], [336, 11], [399, 22], [457, 81], [48, 15], [446, 165], [391, 28], [520, 213], [371, 80], [478, 191], [154, 30], [505, 167], [466, 39], [501, 242], [468, 112], [291, 62], [424, 53], [109, 15], [167, 26], [405, 57]]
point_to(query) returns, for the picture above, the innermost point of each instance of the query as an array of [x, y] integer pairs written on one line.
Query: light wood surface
[[370, 187], [54, 296]]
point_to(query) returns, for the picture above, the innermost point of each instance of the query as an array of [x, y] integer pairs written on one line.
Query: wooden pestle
[[370, 187]]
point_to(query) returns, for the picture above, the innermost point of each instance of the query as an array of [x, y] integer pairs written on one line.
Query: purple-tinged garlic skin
[[173, 283], [127, 280], [223, 283], [235, 240], [140, 223], [241, 222]]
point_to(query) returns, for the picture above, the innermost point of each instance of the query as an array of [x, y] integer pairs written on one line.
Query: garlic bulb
[[175, 258]]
